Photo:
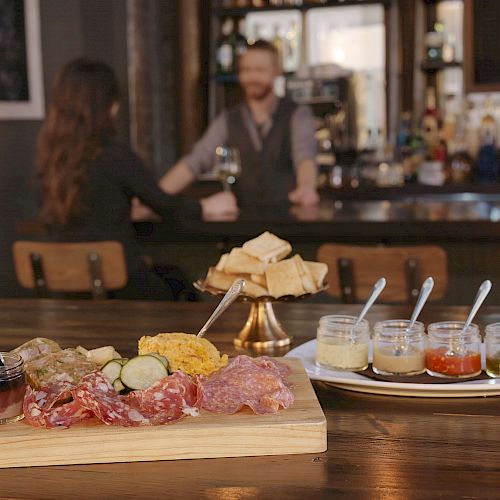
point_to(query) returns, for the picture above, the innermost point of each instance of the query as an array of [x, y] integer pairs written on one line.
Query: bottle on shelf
[[291, 48], [431, 128], [488, 154], [225, 48], [277, 41]]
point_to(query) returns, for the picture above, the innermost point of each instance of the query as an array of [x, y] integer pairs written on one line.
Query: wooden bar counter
[[378, 446]]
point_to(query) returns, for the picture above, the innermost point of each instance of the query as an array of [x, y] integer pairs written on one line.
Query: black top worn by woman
[[114, 178]]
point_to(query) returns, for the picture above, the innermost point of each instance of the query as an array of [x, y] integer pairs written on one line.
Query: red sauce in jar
[[454, 365]]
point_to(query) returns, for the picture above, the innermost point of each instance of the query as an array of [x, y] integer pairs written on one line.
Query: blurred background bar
[[406, 103]]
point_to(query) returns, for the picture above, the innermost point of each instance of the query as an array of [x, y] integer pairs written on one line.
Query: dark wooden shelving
[[242, 11], [432, 66]]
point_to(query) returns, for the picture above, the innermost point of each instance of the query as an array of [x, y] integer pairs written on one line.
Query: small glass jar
[[398, 350], [341, 345], [451, 353], [492, 350], [12, 388]]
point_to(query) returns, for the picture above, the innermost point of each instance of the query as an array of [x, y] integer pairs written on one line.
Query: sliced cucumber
[[117, 384], [162, 358], [142, 372], [112, 370]]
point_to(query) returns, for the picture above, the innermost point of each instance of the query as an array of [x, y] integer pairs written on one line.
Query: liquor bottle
[[225, 48], [277, 41], [431, 128], [291, 48]]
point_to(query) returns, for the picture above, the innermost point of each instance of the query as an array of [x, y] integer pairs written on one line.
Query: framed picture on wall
[[481, 60], [21, 77]]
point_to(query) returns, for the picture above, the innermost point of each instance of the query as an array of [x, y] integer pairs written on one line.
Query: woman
[[87, 180]]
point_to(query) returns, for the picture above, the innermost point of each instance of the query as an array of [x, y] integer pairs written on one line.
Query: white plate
[[359, 383]]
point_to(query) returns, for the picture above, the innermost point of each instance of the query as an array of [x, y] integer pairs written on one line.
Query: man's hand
[[222, 203], [304, 196]]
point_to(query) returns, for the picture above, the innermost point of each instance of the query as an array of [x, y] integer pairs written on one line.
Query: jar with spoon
[[454, 348], [452, 351], [399, 348], [343, 341], [399, 345]]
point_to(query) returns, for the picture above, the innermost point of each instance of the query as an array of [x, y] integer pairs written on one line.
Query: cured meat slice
[[168, 399], [96, 394], [255, 382], [40, 408], [280, 368]]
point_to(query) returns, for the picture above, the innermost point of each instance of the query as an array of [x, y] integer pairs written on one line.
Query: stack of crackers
[[261, 263]]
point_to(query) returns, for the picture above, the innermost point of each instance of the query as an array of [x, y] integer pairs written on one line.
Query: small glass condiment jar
[[492, 349], [451, 353], [341, 345], [398, 350], [12, 388]]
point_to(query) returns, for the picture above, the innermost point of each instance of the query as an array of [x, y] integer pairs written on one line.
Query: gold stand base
[[262, 331]]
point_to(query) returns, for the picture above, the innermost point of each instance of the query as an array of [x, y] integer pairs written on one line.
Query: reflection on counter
[[415, 209]]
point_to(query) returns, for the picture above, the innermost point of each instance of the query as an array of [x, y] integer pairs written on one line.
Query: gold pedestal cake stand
[[262, 330]]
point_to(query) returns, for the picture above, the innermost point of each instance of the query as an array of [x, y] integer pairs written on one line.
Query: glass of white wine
[[227, 166]]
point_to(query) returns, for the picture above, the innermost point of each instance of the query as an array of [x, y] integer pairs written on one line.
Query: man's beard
[[260, 95]]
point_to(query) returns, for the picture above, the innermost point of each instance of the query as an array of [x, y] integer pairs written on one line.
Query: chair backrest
[[353, 270], [94, 266]]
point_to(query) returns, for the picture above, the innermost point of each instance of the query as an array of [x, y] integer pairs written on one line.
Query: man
[[275, 138]]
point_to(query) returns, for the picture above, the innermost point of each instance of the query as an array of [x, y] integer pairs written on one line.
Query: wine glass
[[227, 167]]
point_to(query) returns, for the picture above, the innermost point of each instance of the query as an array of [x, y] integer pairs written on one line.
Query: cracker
[[319, 271], [283, 278], [239, 262], [267, 247], [308, 282]]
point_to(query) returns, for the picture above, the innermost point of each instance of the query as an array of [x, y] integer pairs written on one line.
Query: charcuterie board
[[301, 428]]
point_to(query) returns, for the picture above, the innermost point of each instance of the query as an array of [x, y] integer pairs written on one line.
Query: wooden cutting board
[[299, 429]]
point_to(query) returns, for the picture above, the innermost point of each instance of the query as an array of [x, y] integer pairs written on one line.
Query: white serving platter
[[356, 382]]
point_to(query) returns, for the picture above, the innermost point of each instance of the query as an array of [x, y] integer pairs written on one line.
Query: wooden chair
[[353, 270], [94, 267]]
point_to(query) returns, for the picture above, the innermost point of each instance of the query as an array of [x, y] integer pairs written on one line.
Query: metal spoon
[[376, 291], [227, 300], [482, 293], [425, 291]]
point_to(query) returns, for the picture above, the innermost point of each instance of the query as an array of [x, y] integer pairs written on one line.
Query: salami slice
[[255, 382], [95, 393], [41, 409], [167, 400], [280, 369]]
